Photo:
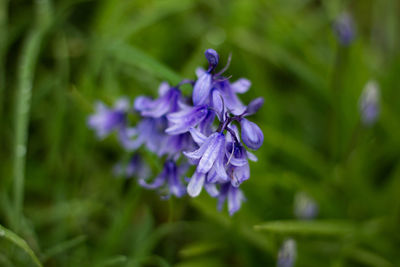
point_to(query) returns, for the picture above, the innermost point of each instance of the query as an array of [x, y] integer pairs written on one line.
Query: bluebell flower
[[211, 152], [134, 168], [105, 120], [166, 103], [149, 132], [137, 168], [369, 103], [232, 195], [170, 178], [287, 254], [252, 135], [305, 207], [231, 100], [173, 145], [202, 87], [183, 120], [344, 28], [254, 106], [203, 127]]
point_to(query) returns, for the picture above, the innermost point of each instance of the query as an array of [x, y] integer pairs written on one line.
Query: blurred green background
[[57, 189]]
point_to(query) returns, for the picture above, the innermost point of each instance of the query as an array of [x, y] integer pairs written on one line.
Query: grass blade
[[60, 248], [308, 228], [29, 55], [133, 56], [18, 241]]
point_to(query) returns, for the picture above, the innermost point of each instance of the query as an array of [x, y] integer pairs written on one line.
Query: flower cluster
[[208, 129]]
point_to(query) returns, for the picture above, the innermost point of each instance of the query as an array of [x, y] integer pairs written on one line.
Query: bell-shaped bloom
[[241, 86], [182, 121], [149, 132], [167, 102], [231, 100], [210, 154], [173, 145], [287, 254], [105, 120], [216, 175], [233, 195], [254, 106], [239, 174], [170, 177], [252, 135], [202, 88], [212, 58], [236, 154], [137, 168], [369, 103], [305, 207], [196, 184], [344, 28]]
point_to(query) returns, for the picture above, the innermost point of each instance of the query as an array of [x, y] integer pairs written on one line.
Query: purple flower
[[149, 132], [305, 208], [170, 177], [252, 135], [234, 196], [239, 174], [211, 152], [135, 168], [241, 86], [344, 28], [231, 100], [369, 103], [202, 88], [166, 103], [105, 120], [287, 254], [202, 126], [173, 145], [254, 106], [183, 120], [212, 58]]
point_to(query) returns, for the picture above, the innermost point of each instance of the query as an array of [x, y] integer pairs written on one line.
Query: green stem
[[26, 68]]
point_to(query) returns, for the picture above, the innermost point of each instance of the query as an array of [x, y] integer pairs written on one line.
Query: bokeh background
[[60, 199]]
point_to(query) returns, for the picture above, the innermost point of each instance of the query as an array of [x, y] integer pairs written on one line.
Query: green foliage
[[57, 191]]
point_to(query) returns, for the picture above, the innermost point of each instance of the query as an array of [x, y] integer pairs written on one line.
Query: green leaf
[[308, 228], [133, 56], [60, 248], [12, 237]]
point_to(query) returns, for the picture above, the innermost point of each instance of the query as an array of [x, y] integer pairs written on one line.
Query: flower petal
[[252, 135], [196, 184], [241, 86], [211, 189], [235, 198], [197, 136], [201, 90], [211, 153], [197, 154]]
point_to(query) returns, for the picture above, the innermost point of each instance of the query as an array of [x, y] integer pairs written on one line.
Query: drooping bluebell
[[208, 129]]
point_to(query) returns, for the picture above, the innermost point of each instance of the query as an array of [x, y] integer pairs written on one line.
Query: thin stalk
[[25, 75]]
